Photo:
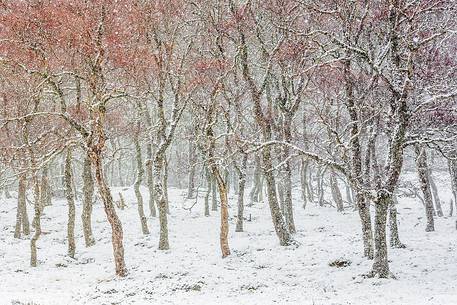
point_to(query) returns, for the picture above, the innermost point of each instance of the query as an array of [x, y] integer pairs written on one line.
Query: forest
[[228, 152]]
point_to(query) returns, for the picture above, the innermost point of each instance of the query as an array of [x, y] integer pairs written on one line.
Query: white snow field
[[259, 271]]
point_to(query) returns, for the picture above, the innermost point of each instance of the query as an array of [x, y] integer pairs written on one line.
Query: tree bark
[[208, 191], [22, 219], [45, 188], [278, 220], [137, 185], [161, 201], [320, 184], [36, 224], [241, 188], [150, 182], [68, 179], [214, 194], [222, 188], [363, 207], [452, 165], [88, 194], [336, 193], [191, 177], [113, 219], [393, 225], [435, 194], [381, 264], [305, 189], [422, 172], [256, 189]]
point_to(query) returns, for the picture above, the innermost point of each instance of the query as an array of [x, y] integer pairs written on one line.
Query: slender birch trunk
[[69, 194], [422, 172], [137, 185], [241, 188], [22, 219], [88, 194]]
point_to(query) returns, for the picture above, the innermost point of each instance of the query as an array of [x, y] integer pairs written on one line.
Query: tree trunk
[[436, 197], [393, 225], [110, 211], [241, 188], [214, 194], [278, 220], [68, 179], [336, 193], [422, 170], [320, 185], [165, 183], [452, 164], [137, 185], [120, 174], [288, 204], [222, 188], [208, 191], [22, 219], [150, 176], [36, 224], [88, 194], [17, 227], [256, 187], [161, 201], [191, 178], [363, 207], [45, 188], [381, 263], [305, 190], [349, 194]]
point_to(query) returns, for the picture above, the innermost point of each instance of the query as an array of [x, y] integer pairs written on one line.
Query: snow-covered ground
[[259, 271]]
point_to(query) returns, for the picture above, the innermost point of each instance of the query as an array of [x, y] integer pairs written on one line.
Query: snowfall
[[259, 271]]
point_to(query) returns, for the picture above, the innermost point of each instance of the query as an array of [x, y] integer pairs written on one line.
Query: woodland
[[228, 151]]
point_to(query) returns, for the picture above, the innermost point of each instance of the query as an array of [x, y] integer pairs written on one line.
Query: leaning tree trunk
[[22, 219], [393, 225], [68, 183], [137, 185], [110, 211], [241, 188], [278, 220], [422, 171], [88, 194]]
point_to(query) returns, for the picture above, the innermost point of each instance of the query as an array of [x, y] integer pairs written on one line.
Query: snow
[[259, 271]]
